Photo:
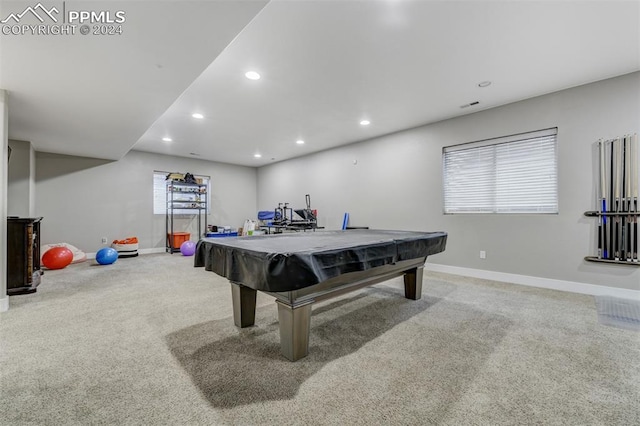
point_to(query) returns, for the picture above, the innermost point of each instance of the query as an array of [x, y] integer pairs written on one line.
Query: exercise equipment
[[106, 256], [283, 218], [188, 248], [57, 258], [127, 247], [78, 255]]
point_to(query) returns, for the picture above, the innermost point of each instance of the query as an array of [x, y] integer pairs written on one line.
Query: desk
[[299, 269]]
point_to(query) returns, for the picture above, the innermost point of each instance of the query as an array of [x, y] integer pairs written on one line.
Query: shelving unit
[[23, 255], [184, 199]]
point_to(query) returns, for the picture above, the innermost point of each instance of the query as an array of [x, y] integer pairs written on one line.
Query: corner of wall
[[32, 181], [4, 177]]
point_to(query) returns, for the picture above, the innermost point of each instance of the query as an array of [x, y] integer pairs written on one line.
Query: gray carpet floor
[[151, 340]]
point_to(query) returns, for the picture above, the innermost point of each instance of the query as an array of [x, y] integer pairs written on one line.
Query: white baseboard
[[152, 250], [4, 304], [570, 286], [140, 251]]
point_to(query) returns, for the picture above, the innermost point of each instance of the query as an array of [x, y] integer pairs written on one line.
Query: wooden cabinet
[[23, 255]]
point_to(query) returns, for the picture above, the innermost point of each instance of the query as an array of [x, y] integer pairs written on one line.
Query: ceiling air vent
[[474, 103]]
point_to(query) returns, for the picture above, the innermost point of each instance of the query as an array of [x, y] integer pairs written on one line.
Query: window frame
[[545, 137], [158, 193]]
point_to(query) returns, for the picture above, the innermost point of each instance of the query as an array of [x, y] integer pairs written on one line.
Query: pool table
[[301, 268]]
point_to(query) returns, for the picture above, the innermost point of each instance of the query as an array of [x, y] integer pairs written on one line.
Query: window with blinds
[[160, 193], [512, 174]]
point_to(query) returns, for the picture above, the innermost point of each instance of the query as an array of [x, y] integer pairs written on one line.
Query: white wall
[[85, 199], [397, 184], [4, 144], [21, 187]]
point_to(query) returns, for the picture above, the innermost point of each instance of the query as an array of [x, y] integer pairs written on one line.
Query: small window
[[512, 174], [160, 193]]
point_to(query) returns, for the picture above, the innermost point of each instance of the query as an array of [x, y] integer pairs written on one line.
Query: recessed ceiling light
[[197, 115], [484, 84], [252, 75], [300, 142], [365, 122], [257, 155], [167, 139]]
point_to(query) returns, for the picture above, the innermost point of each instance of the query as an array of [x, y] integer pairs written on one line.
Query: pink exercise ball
[[57, 258], [188, 248]]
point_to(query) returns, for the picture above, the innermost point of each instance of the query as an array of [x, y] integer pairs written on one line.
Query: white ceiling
[[325, 65], [96, 95]]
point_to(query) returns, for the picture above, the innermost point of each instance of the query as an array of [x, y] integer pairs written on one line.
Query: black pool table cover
[[291, 261]]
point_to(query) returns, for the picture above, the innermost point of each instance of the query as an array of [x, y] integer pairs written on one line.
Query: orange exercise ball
[[57, 258]]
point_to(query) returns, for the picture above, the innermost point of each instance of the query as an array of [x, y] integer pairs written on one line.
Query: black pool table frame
[[294, 307]]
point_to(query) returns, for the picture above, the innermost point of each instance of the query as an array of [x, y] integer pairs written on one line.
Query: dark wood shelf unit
[[23, 255]]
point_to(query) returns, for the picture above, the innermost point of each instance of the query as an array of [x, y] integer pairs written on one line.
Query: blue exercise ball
[[188, 248], [106, 256]]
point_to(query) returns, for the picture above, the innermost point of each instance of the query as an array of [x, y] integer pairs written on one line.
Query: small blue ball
[[106, 256]]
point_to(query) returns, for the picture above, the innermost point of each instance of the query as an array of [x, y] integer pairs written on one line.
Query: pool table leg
[[294, 330], [413, 283], [244, 305]]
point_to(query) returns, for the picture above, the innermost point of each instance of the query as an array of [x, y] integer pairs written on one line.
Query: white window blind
[[513, 174], [160, 193]]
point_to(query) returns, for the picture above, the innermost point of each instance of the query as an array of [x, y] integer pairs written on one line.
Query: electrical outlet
[[483, 254], [104, 240]]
